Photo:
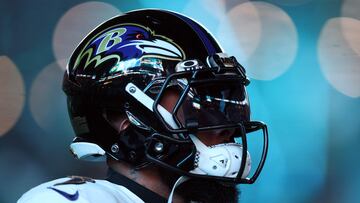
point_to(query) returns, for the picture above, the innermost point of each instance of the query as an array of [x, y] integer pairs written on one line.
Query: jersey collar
[[142, 192]]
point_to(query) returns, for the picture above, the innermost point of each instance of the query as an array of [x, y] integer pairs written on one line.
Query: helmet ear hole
[[116, 119]]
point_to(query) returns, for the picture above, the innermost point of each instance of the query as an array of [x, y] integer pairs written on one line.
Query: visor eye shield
[[210, 103], [205, 97]]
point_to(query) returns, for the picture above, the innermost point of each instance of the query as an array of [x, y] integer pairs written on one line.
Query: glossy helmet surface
[[125, 66]]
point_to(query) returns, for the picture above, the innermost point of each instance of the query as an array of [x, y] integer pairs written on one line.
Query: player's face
[[209, 138]]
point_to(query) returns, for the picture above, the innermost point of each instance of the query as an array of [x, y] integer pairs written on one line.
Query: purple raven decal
[[128, 41]]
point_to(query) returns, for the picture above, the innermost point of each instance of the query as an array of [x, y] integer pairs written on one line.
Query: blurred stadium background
[[303, 57]]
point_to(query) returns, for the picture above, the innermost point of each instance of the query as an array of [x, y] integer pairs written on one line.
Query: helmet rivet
[[132, 89], [214, 167], [115, 148], [132, 155], [159, 147]]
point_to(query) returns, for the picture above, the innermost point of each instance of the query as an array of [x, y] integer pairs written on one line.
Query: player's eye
[[139, 36]]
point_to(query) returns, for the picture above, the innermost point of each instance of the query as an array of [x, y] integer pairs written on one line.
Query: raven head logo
[[127, 41]]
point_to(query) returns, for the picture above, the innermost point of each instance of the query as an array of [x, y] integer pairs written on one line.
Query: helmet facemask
[[207, 100]]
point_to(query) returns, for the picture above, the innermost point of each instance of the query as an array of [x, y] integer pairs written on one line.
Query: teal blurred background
[[303, 57]]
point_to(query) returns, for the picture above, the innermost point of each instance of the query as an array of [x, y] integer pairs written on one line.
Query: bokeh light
[[351, 8], [290, 2], [269, 35], [207, 12], [76, 23], [163, 4], [239, 32], [351, 32], [12, 94], [48, 103], [339, 62], [216, 7]]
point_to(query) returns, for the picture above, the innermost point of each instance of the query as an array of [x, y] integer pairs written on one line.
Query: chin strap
[[177, 183], [222, 160]]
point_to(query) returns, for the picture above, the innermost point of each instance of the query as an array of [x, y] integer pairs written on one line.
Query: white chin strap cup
[[221, 160]]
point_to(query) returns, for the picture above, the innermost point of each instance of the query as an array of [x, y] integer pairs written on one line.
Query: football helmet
[[124, 70]]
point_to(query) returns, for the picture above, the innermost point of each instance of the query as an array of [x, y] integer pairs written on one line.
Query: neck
[[148, 177]]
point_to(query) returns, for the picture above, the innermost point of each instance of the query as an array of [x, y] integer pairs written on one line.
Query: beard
[[202, 190], [207, 191]]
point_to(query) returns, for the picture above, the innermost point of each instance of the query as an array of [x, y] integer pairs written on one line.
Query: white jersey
[[79, 190]]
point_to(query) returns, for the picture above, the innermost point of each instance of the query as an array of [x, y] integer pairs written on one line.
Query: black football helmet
[[123, 69]]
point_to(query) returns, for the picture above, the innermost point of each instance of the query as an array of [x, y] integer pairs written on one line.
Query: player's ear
[[125, 124], [117, 120]]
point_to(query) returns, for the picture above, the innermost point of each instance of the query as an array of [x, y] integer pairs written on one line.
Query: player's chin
[[208, 191]]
